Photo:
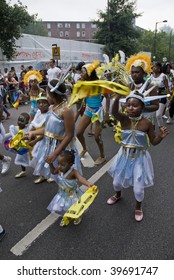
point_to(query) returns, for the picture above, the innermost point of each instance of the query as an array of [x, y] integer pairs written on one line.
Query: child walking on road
[[67, 180], [21, 159], [132, 165]]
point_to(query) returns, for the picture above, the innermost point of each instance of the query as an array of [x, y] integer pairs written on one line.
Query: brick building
[[73, 30]]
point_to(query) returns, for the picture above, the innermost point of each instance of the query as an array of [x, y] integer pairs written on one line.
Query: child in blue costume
[[37, 123], [22, 160], [67, 180], [132, 165], [58, 133]]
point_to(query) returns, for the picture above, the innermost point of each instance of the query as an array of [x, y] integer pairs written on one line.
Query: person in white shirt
[[53, 72]]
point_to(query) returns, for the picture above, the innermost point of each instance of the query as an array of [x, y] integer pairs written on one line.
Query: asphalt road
[[106, 232]]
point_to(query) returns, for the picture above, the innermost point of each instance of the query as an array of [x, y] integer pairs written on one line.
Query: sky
[[85, 10]]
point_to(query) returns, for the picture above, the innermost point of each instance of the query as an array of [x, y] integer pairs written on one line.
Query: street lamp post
[[156, 30]]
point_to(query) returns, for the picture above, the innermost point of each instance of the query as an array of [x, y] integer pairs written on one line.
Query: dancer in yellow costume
[[33, 78]]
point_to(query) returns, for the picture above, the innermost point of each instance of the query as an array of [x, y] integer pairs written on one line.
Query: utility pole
[[156, 30]]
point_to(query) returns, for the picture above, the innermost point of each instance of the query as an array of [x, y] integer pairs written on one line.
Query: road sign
[[56, 53]]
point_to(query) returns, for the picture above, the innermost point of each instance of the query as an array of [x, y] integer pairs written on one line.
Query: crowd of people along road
[[51, 128]]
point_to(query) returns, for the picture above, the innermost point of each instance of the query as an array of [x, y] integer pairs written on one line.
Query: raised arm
[[116, 110]]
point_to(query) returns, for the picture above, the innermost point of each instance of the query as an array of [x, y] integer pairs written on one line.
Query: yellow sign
[[56, 53]]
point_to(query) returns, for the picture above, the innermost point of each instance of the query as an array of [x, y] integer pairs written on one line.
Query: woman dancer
[[58, 131]]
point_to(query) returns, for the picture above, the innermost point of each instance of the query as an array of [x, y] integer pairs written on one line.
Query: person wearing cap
[[58, 132], [37, 123], [93, 107], [132, 166]]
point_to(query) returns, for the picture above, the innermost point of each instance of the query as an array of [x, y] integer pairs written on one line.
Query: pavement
[[106, 232]]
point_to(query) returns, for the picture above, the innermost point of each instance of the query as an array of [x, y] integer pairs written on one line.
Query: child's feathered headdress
[[32, 75], [142, 60], [91, 67]]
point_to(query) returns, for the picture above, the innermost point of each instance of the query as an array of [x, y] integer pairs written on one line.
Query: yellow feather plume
[[142, 60], [32, 75]]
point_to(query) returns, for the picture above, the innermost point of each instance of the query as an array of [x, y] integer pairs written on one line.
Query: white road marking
[[87, 161], [31, 236]]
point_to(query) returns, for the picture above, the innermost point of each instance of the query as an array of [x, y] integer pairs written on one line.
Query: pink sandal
[[113, 199], [138, 215]]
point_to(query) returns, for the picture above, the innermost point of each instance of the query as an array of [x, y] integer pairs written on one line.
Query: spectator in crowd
[[53, 72]]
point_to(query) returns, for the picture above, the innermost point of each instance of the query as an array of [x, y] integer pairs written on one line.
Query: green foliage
[[164, 44], [13, 18], [35, 28], [116, 28]]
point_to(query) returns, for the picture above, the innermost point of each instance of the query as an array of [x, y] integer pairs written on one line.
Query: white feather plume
[[106, 58], [122, 56]]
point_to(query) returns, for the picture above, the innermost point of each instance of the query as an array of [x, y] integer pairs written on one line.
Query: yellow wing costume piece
[[81, 205], [93, 88]]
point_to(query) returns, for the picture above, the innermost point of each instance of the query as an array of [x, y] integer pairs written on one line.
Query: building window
[[93, 25], [78, 34], [83, 34], [61, 33], [60, 25], [49, 33], [48, 26], [77, 25], [83, 25], [66, 33], [67, 25]]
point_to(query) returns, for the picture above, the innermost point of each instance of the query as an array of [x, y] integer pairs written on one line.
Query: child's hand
[[28, 136], [56, 170], [163, 132], [51, 158], [94, 188]]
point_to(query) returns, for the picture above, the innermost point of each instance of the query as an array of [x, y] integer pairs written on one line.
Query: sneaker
[[40, 180], [5, 164], [164, 117], [2, 234], [169, 120], [100, 160], [21, 174]]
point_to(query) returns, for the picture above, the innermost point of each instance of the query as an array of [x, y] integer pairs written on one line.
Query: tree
[[164, 44], [116, 28], [35, 28], [13, 18]]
